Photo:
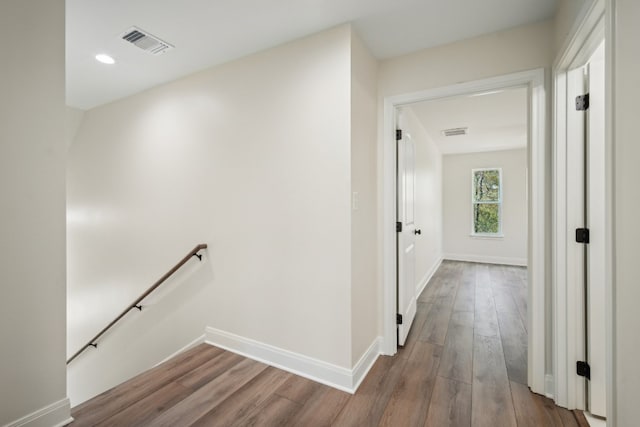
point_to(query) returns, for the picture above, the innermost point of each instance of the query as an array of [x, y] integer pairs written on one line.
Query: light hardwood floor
[[464, 364]]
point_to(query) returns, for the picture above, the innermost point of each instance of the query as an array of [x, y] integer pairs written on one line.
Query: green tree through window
[[486, 200]]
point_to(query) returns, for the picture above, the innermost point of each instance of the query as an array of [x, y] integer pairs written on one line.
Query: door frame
[[534, 80], [568, 295]]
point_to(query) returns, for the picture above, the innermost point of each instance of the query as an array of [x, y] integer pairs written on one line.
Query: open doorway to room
[[462, 239], [528, 304]]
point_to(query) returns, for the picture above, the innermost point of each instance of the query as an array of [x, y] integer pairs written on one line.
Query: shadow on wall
[[171, 318]]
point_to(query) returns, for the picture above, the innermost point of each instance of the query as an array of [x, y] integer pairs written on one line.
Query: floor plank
[[207, 397], [514, 345], [465, 297], [209, 370], [491, 400], [367, 405], [322, 408], [119, 398], [548, 414], [298, 389], [436, 325], [415, 331], [527, 413], [244, 401], [485, 315], [450, 404], [462, 318], [409, 401], [275, 411], [144, 411], [568, 418], [457, 357]]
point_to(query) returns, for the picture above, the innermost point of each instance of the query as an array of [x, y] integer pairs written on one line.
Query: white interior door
[[596, 341], [406, 283]]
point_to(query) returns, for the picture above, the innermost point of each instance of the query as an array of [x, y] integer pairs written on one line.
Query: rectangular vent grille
[[146, 41], [454, 132]]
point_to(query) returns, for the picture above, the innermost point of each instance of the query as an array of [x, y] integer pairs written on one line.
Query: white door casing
[[596, 277], [575, 252], [405, 206], [585, 180], [537, 250], [568, 191]]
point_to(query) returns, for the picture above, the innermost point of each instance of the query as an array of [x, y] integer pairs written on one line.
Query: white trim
[[57, 414], [549, 384], [317, 370], [567, 294], [199, 340], [487, 259], [487, 236], [537, 135], [594, 421], [425, 280], [507, 146], [362, 367], [609, 161]]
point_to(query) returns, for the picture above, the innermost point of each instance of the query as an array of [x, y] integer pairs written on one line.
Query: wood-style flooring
[[464, 364]]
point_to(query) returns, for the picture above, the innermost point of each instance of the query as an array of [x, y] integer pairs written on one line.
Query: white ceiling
[[211, 32], [495, 121]]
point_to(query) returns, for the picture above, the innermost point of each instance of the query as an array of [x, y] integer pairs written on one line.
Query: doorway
[[462, 188], [536, 183]]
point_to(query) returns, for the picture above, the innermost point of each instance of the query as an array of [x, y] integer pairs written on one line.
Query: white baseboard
[[522, 262], [360, 370], [317, 370], [199, 340], [549, 385], [423, 283], [57, 414]]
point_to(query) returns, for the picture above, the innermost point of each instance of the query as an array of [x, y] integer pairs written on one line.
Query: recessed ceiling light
[[105, 59]]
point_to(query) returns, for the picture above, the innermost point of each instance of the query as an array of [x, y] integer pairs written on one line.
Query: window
[[486, 200]]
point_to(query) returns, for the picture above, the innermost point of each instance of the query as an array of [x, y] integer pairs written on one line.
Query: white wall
[[458, 242], [259, 159], [565, 20], [428, 200], [364, 237], [252, 158], [73, 122], [522, 48], [32, 230], [626, 154]]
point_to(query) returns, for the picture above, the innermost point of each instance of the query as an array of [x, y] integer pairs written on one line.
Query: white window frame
[[498, 202]]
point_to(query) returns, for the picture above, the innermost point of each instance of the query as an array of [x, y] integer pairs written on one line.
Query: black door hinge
[[398, 319], [582, 235], [583, 369], [398, 134], [398, 227], [582, 102]]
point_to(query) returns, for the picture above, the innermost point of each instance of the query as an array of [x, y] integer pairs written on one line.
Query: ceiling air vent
[[454, 132], [146, 41]]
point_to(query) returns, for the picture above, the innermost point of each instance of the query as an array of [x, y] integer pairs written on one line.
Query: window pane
[[485, 218], [486, 186]]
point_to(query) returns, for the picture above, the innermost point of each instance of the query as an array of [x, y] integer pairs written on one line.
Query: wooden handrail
[[136, 303]]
